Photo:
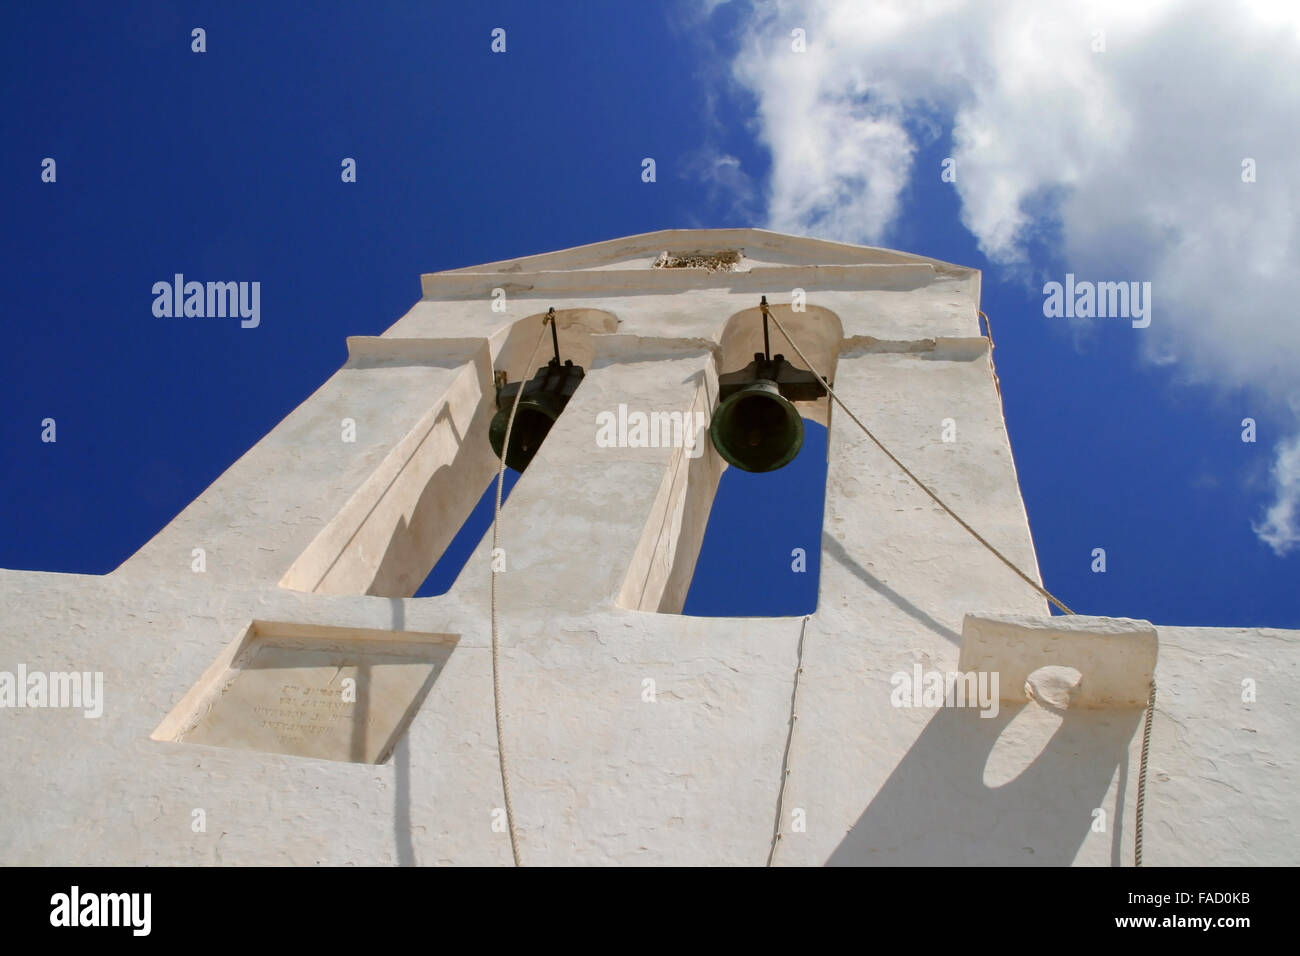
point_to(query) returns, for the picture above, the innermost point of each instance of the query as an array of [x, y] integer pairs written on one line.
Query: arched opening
[[761, 554], [477, 524], [754, 542], [429, 493]]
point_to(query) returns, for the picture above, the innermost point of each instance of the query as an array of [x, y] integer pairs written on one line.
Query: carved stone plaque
[[321, 696]]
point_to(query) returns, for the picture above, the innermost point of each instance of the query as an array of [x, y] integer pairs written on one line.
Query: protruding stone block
[[1115, 656]]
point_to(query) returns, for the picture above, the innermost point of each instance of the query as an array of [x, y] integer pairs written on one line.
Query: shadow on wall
[[834, 549], [936, 808], [419, 538], [402, 772]]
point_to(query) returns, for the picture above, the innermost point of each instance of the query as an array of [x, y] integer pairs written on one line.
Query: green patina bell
[[756, 429], [544, 397], [538, 410], [756, 426]]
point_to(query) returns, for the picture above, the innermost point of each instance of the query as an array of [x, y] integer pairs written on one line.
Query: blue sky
[[225, 165]]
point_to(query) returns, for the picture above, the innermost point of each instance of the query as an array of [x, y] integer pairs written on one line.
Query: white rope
[[789, 744], [496, 543]]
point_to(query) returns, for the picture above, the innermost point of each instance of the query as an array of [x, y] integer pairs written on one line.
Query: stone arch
[[818, 331], [663, 567], [397, 526]]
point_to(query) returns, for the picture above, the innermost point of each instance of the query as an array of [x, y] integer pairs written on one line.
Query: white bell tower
[[294, 692]]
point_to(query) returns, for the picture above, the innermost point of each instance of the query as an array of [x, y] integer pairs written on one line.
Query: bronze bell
[[756, 426], [544, 398], [756, 429]]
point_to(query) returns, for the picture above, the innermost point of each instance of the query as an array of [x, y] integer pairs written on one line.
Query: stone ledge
[[868, 277], [1115, 656]]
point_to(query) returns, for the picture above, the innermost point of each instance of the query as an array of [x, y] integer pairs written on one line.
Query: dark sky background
[[225, 166]]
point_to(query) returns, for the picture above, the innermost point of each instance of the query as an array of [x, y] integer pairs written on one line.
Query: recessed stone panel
[[329, 693]]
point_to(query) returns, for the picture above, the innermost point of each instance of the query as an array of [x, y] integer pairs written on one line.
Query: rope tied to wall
[[1142, 776], [907, 471], [1151, 701], [794, 715], [789, 745], [988, 332]]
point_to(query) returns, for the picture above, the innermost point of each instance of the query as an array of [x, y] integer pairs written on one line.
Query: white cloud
[[1134, 152], [1280, 528]]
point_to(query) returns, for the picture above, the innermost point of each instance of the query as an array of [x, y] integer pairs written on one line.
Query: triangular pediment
[[705, 248]]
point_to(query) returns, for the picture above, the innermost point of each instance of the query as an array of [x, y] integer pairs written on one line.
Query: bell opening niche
[[424, 506], [444, 574], [761, 553], [738, 530]]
